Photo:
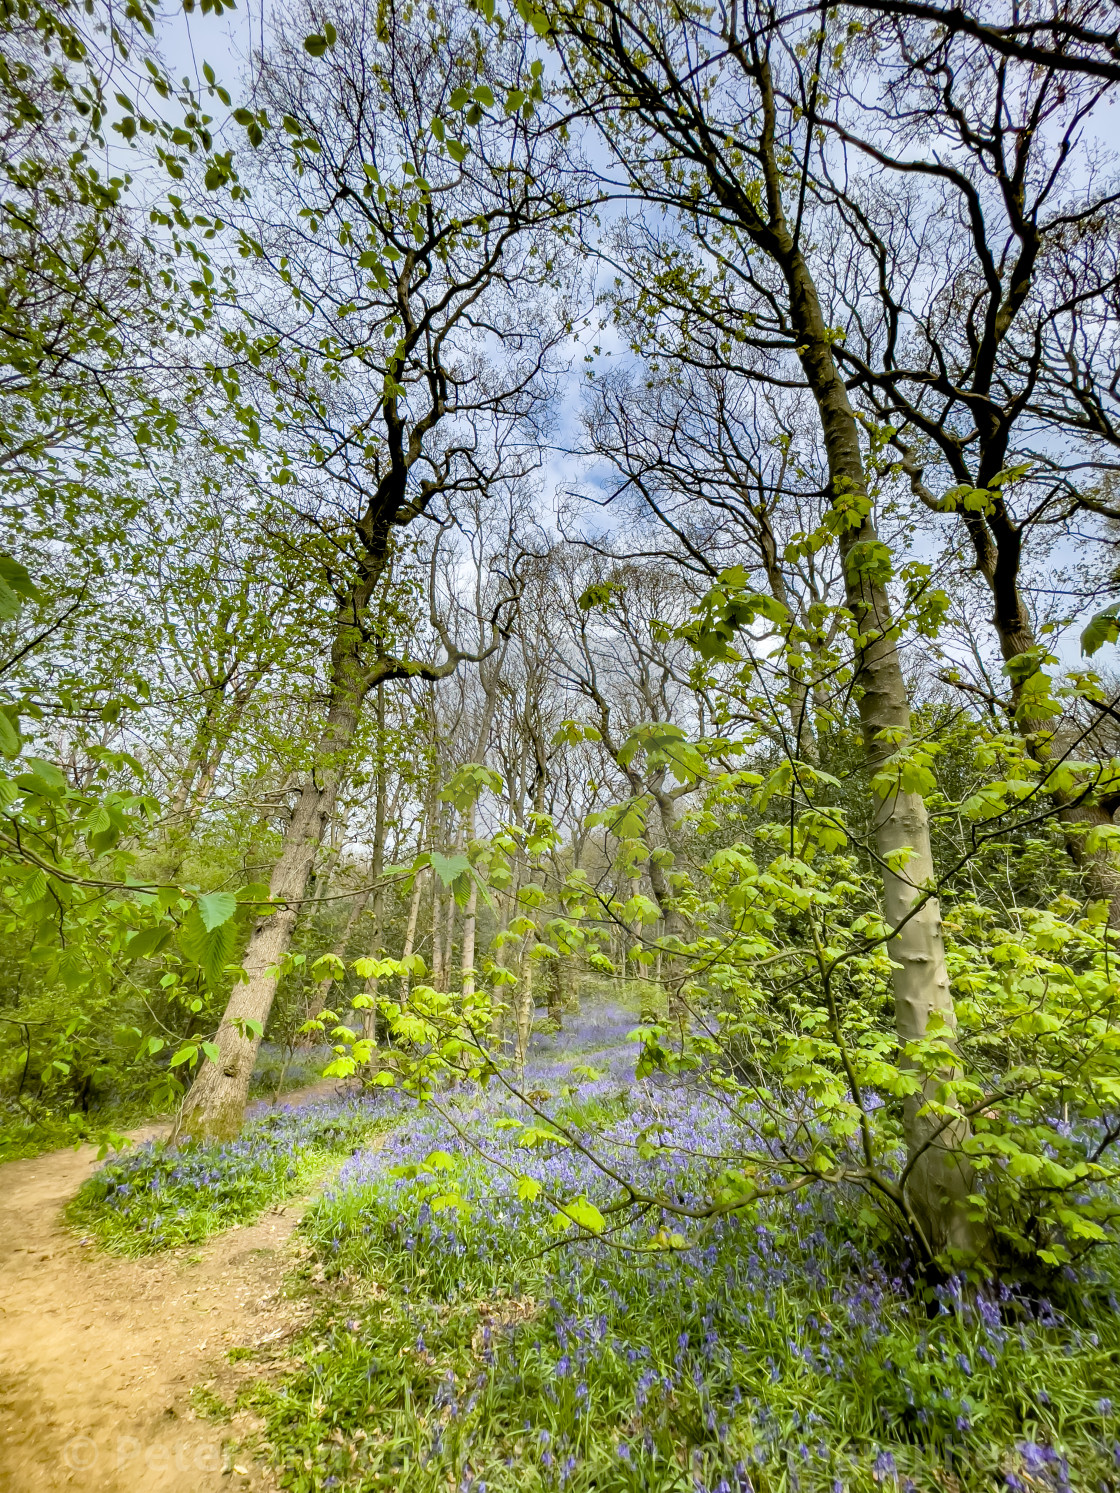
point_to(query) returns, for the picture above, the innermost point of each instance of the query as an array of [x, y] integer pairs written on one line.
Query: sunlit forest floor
[[357, 1296]]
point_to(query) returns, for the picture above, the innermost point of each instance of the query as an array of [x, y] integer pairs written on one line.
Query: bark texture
[[997, 544], [940, 1178], [214, 1107]]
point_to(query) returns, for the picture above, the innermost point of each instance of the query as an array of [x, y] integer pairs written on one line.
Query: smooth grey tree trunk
[[941, 1177]]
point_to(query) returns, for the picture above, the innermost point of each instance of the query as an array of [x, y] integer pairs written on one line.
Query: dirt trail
[[98, 1355]]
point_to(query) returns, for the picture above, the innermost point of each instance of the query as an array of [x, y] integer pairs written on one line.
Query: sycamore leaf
[[1103, 628], [439, 1161], [583, 1214]]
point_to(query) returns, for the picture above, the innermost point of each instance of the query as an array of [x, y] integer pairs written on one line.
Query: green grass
[[24, 1134], [154, 1198], [463, 1350]]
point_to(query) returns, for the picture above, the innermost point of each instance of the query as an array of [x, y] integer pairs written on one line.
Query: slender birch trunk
[[555, 994], [490, 681]]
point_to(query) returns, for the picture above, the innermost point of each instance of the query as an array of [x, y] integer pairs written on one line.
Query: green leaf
[[584, 1214], [48, 774], [457, 151], [10, 740], [448, 867], [439, 1161], [468, 783], [254, 891], [212, 1051], [16, 587], [216, 908], [186, 1054], [1103, 628], [147, 941], [210, 948], [316, 45]]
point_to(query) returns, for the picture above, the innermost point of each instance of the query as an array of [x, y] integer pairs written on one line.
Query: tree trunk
[[214, 1107], [524, 1007], [470, 919], [439, 981], [570, 982], [449, 939], [410, 929], [941, 1178], [215, 1104], [490, 681], [323, 993], [370, 1023], [1016, 639], [669, 969], [555, 994], [501, 1014], [200, 773]]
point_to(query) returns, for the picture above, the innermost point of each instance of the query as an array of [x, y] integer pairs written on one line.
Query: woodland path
[[98, 1355]]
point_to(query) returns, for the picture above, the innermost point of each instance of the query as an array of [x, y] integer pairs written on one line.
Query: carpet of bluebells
[[153, 1198], [465, 1346]]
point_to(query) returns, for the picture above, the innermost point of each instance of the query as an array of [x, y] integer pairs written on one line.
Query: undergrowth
[[35, 1131], [35, 1126], [154, 1198], [466, 1348]]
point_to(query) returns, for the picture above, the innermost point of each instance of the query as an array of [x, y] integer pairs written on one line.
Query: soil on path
[[98, 1355]]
